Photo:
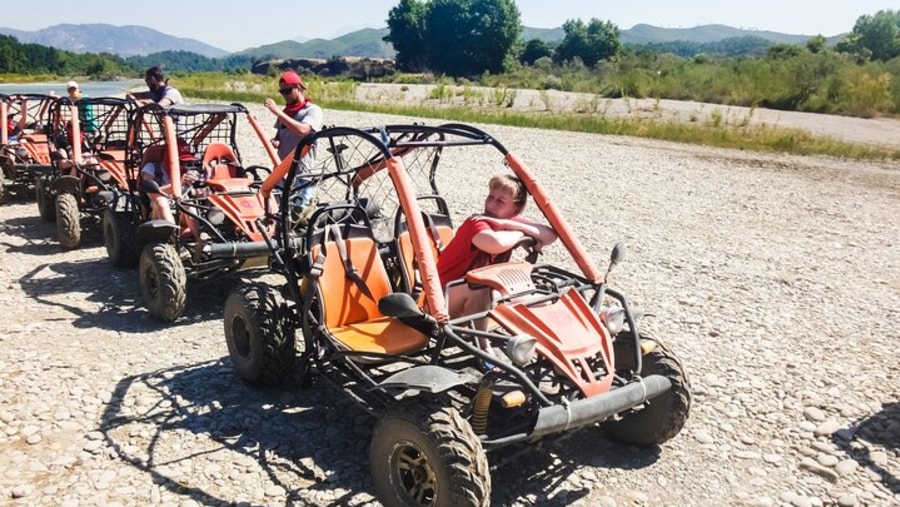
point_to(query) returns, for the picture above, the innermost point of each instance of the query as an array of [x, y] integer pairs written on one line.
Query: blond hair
[[510, 184]]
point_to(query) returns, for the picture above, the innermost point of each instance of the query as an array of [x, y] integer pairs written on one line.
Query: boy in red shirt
[[481, 238]]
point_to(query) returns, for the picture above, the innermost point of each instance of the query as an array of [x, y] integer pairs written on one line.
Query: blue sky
[[234, 25]]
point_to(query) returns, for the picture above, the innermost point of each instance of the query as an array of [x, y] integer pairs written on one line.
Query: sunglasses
[[285, 91]]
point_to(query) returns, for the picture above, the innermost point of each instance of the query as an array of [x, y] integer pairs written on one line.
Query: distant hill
[[132, 40], [364, 43], [648, 34], [124, 41]]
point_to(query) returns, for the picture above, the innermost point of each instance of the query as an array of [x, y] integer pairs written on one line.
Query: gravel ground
[[775, 278]]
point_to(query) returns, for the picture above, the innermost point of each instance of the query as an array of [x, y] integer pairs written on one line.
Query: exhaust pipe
[[582, 412], [236, 249]]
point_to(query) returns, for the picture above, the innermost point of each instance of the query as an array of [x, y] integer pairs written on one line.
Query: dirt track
[[775, 279]]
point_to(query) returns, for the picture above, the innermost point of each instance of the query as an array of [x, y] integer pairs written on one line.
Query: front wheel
[[662, 417], [120, 237], [163, 281], [259, 334], [424, 454], [68, 221]]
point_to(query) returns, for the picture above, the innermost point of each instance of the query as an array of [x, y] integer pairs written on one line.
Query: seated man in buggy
[[155, 181]]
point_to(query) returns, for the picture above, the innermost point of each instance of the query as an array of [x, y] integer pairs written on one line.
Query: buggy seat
[[223, 168], [353, 279]]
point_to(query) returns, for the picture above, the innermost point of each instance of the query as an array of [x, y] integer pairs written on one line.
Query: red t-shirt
[[461, 256]]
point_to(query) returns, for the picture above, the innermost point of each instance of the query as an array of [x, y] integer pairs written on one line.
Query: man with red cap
[[299, 118]]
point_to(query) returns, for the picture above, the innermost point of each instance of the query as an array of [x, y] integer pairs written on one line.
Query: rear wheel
[[68, 221], [163, 281], [662, 417], [427, 455], [120, 237], [259, 334], [45, 202]]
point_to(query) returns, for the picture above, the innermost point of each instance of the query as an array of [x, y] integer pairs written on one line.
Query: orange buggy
[[362, 307], [26, 153], [220, 224]]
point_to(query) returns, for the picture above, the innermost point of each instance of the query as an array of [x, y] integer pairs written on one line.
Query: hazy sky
[[234, 25]]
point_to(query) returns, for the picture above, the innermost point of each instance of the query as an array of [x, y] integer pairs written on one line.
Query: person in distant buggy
[[14, 128], [482, 237], [299, 118], [155, 181], [85, 112], [159, 90]]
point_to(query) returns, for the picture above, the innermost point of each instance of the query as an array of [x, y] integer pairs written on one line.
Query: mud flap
[[428, 378], [66, 185], [156, 230]]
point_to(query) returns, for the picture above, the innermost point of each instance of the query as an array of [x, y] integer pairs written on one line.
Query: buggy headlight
[[521, 349], [215, 216], [21, 152], [104, 176], [614, 319]]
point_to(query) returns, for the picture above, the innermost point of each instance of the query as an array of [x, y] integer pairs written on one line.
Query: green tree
[[469, 37], [534, 49], [816, 44], [876, 35], [592, 42], [406, 23]]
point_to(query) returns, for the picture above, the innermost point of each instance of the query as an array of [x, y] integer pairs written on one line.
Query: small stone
[[95, 435], [814, 414], [811, 466], [275, 491], [878, 458], [772, 458], [22, 491], [34, 439], [827, 460], [93, 446], [827, 428], [703, 437], [847, 500], [846, 467]]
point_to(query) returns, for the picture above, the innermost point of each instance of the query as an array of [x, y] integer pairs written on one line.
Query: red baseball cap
[[291, 78]]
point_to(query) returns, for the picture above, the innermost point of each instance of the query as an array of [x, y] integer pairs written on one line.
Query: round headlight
[[521, 349], [614, 319], [215, 216]]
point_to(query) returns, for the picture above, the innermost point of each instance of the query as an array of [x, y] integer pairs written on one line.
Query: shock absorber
[[480, 406]]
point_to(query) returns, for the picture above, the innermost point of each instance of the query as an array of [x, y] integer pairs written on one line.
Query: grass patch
[[719, 133]]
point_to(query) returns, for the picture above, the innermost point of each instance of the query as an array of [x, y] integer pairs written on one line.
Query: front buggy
[[220, 221], [363, 308], [26, 157]]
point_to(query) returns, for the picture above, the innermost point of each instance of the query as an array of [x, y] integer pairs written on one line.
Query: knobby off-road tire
[[259, 334], [68, 221], [2, 186], [45, 202], [120, 237], [664, 416], [426, 454], [163, 281]]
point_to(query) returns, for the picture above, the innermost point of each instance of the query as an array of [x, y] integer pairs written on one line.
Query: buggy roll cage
[[166, 121], [391, 143]]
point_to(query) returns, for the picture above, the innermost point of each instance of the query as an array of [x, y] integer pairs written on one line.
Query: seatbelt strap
[[432, 229], [349, 269]]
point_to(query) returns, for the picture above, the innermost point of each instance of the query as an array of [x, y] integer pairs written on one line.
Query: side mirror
[[399, 305]]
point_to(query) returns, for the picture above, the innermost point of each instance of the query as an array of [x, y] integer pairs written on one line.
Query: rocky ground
[[775, 278]]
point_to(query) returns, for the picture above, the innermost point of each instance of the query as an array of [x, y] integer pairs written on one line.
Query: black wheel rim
[[412, 475]]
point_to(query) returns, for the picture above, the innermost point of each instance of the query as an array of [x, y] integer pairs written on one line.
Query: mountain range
[[132, 40]]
